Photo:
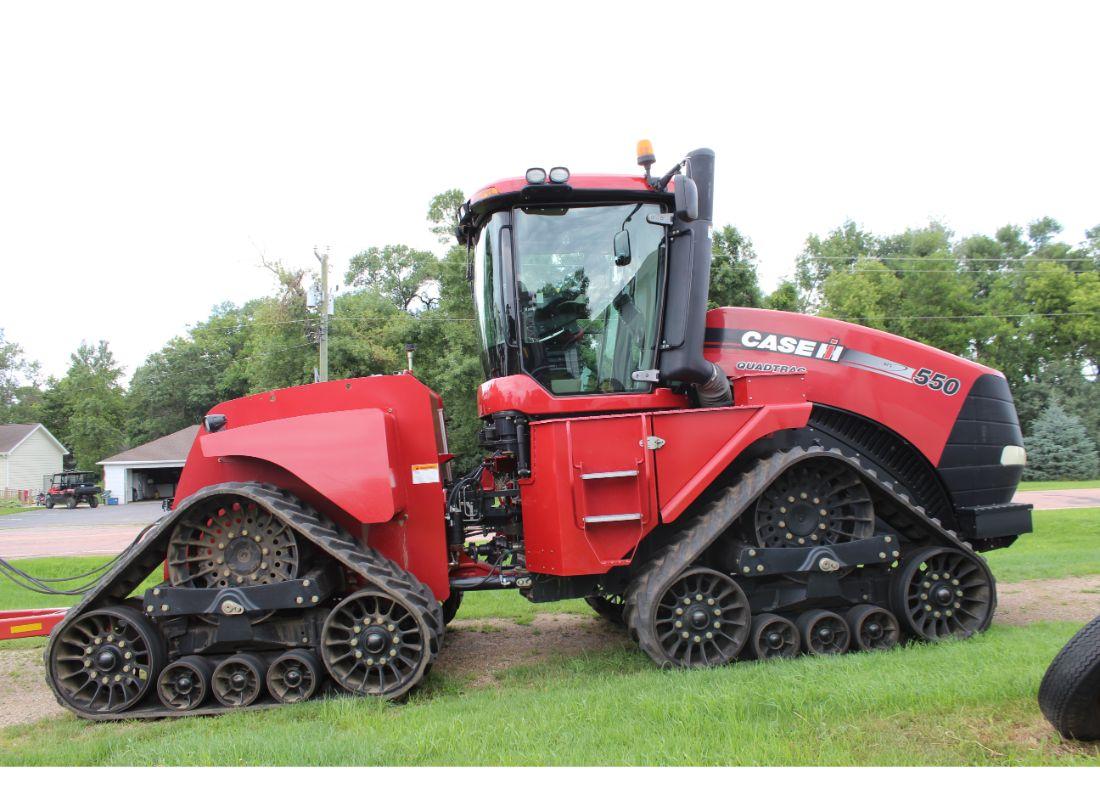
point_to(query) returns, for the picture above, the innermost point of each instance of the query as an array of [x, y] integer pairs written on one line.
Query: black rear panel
[[971, 462]]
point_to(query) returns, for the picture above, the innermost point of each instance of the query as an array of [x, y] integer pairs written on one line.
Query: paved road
[[1060, 498], [74, 532], [107, 529]]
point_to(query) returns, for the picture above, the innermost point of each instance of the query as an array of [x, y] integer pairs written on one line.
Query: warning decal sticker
[[425, 473]]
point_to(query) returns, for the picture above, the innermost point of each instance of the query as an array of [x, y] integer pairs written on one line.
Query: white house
[[150, 471], [29, 456]]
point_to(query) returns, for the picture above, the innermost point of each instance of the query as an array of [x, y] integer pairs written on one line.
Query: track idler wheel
[[106, 660], [185, 683], [819, 501], [774, 636], [294, 676], [872, 627], [374, 643], [609, 606], [823, 633], [701, 620], [942, 592], [237, 680]]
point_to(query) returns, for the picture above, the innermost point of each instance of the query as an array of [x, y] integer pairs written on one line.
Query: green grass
[[1036, 486], [5, 510], [955, 703], [1064, 543]]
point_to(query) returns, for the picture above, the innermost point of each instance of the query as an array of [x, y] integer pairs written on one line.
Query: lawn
[[614, 707], [5, 510], [1035, 486], [1064, 543]]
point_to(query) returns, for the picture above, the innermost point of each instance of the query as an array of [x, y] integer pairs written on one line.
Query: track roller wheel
[[701, 620], [106, 660], [608, 606], [872, 627], [294, 676], [942, 593], [184, 684], [823, 633], [376, 644], [237, 680], [774, 636]]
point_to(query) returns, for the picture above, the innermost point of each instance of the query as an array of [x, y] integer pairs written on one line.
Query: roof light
[[645, 153], [536, 175], [559, 175]]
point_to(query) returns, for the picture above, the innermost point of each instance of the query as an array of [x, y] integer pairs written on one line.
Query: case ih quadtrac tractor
[[726, 484]]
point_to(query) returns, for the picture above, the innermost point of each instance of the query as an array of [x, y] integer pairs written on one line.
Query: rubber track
[[717, 511], [372, 567]]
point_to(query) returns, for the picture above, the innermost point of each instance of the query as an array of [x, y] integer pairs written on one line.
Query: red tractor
[[725, 484]]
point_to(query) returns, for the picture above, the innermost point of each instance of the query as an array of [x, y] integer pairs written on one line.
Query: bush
[[1059, 448]]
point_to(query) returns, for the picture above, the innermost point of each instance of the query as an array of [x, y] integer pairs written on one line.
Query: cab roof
[[583, 188]]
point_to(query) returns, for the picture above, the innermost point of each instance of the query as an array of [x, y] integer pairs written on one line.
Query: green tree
[[403, 275], [86, 409], [20, 384], [733, 279], [784, 298], [1059, 448], [443, 213]]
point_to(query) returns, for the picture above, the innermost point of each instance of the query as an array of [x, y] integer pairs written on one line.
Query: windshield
[[588, 310]]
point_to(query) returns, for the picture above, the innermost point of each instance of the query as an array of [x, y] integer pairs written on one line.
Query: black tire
[[238, 680], [114, 648], [823, 633], [700, 619], [609, 606], [295, 676], [774, 636], [185, 683], [49, 502], [1069, 695], [93, 501], [944, 592], [872, 627], [70, 502], [451, 606]]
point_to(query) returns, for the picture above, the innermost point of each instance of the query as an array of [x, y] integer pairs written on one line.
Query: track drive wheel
[[774, 636], [872, 627], [294, 676], [377, 644], [701, 620], [238, 680], [943, 592], [609, 606], [106, 660], [185, 683], [819, 501], [823, 633]]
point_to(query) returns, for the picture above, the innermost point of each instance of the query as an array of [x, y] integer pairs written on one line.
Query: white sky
[[147, 155]]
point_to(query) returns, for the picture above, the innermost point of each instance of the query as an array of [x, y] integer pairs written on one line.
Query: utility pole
[[323, 367]]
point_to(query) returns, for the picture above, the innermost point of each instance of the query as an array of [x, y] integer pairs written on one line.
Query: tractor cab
[[591, 284]]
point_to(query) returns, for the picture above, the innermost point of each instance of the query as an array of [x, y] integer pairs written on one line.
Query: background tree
[[733, 279], [405, 276], [1059, 448], [86, 409]]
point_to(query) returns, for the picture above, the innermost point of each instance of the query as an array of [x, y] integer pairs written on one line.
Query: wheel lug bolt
[[680, 611], [393, 653], [803, 495], [698, 639], [782, 524], [718, 612], [678, 624], [356, 629], [710, 601], [370, 662], [823, 512], [710, 635], [928, 608], [685, 634], [782, 509], [396, 639], [790, 498], [358, 653], [717, 624]]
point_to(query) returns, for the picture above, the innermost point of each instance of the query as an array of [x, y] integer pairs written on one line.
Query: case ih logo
[[777, 343]]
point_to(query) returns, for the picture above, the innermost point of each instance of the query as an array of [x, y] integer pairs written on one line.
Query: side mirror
[[622, 248], [687, 198]]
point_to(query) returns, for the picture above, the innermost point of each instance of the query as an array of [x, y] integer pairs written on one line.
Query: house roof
[[171, 448], [11, 436]]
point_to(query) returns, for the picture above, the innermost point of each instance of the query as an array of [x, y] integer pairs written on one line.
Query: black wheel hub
[[945, 592], [815, 502], [243, 556], [373, 643], [105, 660], [703, 619]]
